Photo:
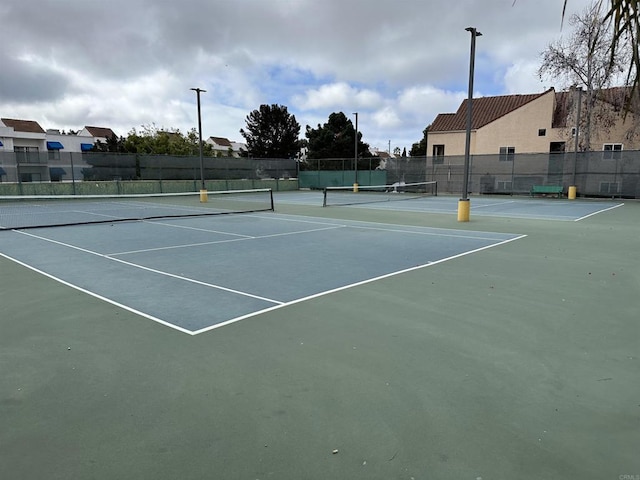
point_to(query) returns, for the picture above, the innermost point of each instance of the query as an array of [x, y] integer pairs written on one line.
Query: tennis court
[[375, 342], [483, 206], [205, 272]]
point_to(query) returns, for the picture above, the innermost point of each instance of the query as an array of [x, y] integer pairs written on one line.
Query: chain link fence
[[596, 174], [27, 168], [599, 174]]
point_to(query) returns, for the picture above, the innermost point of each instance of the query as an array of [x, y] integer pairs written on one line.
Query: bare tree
[[585, 59], [623, 22]]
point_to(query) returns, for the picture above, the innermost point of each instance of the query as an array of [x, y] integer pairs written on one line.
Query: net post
[[355, 187], [324, 197], [273, 209], [204, 197]]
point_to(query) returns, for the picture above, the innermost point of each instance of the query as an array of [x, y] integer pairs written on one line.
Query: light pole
[[464, 205], [355, 163], [203, 188], [571, 193]]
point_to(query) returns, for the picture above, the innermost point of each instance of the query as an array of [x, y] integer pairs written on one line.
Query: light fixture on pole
[[203, 188], [464, 205], [355, 162]]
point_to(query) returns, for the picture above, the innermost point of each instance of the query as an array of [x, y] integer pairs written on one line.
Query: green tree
[[272, 132], [113, 144], [153, 141], [336, 139], [419, 149]]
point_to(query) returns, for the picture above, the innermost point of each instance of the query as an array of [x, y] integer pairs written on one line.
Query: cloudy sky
[[398, 63]]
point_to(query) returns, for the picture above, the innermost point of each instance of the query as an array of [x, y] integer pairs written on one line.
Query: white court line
[[281, 217], [245, 238], [152, 270], [434, 231], [395, 230], [599, 211], [277, 304], [208, 230], [99, 297], [498, 204], [356, 284]]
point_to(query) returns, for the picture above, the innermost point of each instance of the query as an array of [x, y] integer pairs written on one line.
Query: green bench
[[546, 189]]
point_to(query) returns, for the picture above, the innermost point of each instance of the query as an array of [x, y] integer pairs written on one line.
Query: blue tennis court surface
[[195, 274], [483, 206]]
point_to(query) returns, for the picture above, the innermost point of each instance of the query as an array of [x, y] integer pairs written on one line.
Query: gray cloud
[[23, 81], [135, 60]]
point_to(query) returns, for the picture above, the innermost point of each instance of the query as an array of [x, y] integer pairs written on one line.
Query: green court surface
[[514, 362]]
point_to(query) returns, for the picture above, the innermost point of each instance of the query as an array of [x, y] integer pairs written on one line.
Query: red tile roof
[[100, 132], [223, 142], [30, 126], [485, 111]]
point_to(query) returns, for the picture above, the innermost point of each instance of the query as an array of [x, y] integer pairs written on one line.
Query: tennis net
[[35, 211], [378, 193]]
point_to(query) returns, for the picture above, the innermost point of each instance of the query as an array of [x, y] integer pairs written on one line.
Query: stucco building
[[536, 123]]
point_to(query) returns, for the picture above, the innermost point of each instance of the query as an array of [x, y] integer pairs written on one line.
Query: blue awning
[[85, 147], [56, 172], [2, 172], [54, 146], [1, 144]]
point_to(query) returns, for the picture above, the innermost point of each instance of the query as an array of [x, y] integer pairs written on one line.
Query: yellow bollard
[[571, 194], [203, 196], [355, 188], [464, 210]]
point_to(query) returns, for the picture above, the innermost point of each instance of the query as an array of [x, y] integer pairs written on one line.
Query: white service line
[[497, 204], [153, 270], [599, 211], [432, 234], [215, 242], [99, 297], [208, 230], [356, 284]]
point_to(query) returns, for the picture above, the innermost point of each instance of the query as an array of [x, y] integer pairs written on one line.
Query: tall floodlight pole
[[464, 205], [355, 162], [203, 188], [571, 194]]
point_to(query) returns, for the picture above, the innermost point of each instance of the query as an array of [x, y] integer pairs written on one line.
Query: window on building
[[438, 154], [30, 177], [26, 154], [54, 154], [507, 154], [542, 132], [612, 151]]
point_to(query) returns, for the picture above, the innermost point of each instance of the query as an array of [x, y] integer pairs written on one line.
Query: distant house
[[25, 140], [521, 141], [225, 148], [533, 123], [36, 154], [98, 133], [384, 157]]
